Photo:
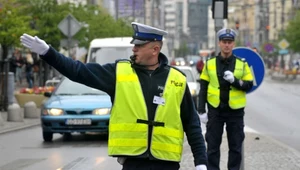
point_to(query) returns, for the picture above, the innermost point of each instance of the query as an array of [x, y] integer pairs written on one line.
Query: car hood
[[88, 102]]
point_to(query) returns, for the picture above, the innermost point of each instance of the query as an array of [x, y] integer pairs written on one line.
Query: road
[[25, 150], [272, 110]]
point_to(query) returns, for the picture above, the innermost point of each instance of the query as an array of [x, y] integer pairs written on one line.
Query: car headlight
[[53, 112], [102, 111]]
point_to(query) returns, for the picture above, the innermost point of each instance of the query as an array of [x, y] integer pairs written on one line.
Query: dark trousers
[[213, 137], [146, 164]]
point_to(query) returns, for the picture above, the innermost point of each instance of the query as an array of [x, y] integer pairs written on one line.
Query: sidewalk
[[260, 152], [6, 126]]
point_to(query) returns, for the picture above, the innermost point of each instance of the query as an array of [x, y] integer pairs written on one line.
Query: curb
[[18, 127]]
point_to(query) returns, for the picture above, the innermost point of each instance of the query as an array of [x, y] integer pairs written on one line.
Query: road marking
[[83, 163], [20, 164], [247, 129]]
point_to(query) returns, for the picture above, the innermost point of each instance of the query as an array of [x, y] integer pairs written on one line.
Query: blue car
[[74, 107]]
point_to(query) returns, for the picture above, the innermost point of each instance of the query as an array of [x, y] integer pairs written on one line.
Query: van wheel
[[48, 136]]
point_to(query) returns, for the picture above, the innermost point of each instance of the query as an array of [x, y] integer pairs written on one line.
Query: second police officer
[[225, 79]]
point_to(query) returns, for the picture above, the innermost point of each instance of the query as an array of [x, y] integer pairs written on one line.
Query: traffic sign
[[69, 26], [285, 51], [268, 47], [255, 63], [283, 44]]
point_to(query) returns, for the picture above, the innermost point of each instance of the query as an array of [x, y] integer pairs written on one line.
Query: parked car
[[74, 107], [194, 86]]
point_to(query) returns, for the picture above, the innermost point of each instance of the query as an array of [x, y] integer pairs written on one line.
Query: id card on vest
[[158, 100]]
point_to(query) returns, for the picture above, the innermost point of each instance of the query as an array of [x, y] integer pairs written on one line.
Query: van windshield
[[103, 55]]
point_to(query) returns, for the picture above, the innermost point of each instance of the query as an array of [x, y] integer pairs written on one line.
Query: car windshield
[[68, 87], [189, 75], [109, 54]]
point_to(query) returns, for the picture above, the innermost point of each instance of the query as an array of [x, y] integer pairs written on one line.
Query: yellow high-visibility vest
[[128, 126], [237, 98]]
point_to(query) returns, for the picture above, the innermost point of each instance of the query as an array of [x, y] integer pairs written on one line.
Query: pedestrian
[[152, 104], [29, 69], [199, 65], [225, 79], [16, 64]]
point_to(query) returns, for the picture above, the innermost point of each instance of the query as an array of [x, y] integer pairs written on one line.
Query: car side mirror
[[47, 94]]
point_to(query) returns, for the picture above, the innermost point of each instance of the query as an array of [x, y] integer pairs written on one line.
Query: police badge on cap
[[145, 33], [226, 34]]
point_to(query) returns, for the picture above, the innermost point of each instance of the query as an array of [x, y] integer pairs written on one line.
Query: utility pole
[[133, 10], [117, 9], [220, 11], [282, 30]]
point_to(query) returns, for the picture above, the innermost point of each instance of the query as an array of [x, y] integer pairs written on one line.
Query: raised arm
[[98, 76]]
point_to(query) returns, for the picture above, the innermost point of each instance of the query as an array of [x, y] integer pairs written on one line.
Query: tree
[[46, 15], [292, 33], [99, 24], [96, 21], [12, 25]]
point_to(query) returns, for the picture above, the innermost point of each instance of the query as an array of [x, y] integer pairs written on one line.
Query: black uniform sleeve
[[192, 127], [202, 96], [98, 76], [245, 85]]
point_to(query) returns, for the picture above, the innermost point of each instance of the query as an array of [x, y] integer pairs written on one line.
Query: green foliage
[[95, 21], [182, 51], [292, 33], [41, 18], [12, 24]]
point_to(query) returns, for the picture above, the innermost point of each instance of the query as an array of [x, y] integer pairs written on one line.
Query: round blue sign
[[255, 63]]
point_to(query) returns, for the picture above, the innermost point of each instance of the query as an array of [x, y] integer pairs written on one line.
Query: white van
[[108, 50]]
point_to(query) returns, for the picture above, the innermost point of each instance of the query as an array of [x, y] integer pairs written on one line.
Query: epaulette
[[178, 70], [209, 58], [122, 60], [240, 58]]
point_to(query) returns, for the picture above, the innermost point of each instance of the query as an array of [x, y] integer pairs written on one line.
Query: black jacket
[[103, 77], [223, 65]]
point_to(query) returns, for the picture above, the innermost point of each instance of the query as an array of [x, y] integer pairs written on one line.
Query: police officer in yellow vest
[[224, 82], [152, 104]]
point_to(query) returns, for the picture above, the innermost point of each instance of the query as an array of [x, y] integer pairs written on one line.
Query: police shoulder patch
[[178, 70], [122, 60]]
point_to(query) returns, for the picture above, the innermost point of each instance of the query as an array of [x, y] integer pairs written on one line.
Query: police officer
[[225, 79], [152, 104]]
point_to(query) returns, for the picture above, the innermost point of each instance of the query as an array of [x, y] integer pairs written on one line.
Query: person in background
[[152, 103], [29, 69], [16, 64], [200, 65], [225, 79]]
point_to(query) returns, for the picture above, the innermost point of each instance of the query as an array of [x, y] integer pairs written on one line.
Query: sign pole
[[69, 26], [257, 67], [69, 35], [218, 16]]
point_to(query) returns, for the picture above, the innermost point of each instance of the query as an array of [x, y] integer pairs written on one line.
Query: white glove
[[203, 118], [201, 167], [35, 44], [228, 76]]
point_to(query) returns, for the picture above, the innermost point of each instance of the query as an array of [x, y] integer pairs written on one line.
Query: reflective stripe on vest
[[237, 98], [126, 136]]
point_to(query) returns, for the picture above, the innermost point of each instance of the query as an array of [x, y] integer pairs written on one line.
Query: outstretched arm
[[91, 74]]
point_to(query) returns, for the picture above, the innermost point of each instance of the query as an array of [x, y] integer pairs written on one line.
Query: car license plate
[[79, 122]]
